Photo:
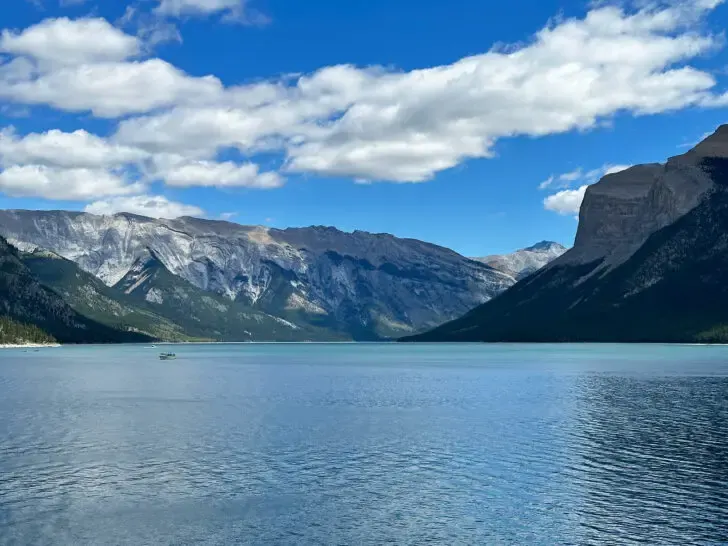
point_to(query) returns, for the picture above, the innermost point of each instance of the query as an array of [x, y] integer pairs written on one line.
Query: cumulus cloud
[[74, 157], [79, 149], [58, 165], [377, 124], [369, 124], [566, 202], [66, 42], [156, 206], [177, 171], [56, 183], [113, 89]]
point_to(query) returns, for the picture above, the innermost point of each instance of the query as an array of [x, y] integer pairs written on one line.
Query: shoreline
[[390, 342], [28, 345]]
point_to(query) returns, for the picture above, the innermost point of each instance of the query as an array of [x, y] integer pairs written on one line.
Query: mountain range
[[195, 279], [649, 263]]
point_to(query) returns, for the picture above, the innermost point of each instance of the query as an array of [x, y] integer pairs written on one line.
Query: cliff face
[[623, 209], [364, 285], [649, 263]]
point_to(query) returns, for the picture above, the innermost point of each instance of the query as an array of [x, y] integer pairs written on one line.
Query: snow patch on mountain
[[154, 296], [521, 263]]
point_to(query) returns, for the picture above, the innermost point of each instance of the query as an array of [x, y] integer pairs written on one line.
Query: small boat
[[167, 356]]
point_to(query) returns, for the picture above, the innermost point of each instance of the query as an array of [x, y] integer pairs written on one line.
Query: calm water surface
[[365, 444]]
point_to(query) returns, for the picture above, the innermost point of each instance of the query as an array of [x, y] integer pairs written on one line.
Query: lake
[[364, 444]]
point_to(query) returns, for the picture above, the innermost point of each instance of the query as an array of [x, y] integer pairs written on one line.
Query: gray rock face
[[649, 264], [523, 262], [622, 210], [369, 285]]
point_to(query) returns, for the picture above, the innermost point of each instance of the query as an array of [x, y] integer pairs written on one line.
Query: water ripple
[[365, 445]]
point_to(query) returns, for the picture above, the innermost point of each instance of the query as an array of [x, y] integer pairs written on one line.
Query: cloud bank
[[362, 123]]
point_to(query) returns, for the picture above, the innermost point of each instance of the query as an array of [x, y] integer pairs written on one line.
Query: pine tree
[[13, 332]]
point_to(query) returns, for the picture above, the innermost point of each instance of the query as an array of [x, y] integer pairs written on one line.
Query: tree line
[[14, 332]]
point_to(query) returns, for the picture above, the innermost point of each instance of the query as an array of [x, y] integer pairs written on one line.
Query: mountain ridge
[[24, 299], [358, 284], [630, 276]]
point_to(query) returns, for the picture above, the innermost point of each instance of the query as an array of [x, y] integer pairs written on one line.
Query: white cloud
[[66, 42], [79, 149], [406, 158], [57, 183], [236, 11], [571, 176], [200, 131], [228, 215], [375, 123], [176, 171], [74, 156], [717, 101], [709, 4], [113, 89], [566, 202], [149, 28], [16, 70], [204, 7], [156, 206], [549, 182], [565, 180]]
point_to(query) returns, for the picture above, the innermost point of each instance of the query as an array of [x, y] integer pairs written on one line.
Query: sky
[[474, 125]]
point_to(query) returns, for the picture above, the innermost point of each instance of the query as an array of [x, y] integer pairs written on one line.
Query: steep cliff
[[650, 263]]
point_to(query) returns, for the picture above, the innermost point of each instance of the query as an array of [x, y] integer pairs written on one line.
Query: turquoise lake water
[[364, 444]]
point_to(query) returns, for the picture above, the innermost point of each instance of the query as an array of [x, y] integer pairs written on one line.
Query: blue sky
[[475, 125]]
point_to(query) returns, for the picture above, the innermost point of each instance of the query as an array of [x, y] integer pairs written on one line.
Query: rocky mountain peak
[[622, 210], [523, 262], [716, 145], [546, 246]]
